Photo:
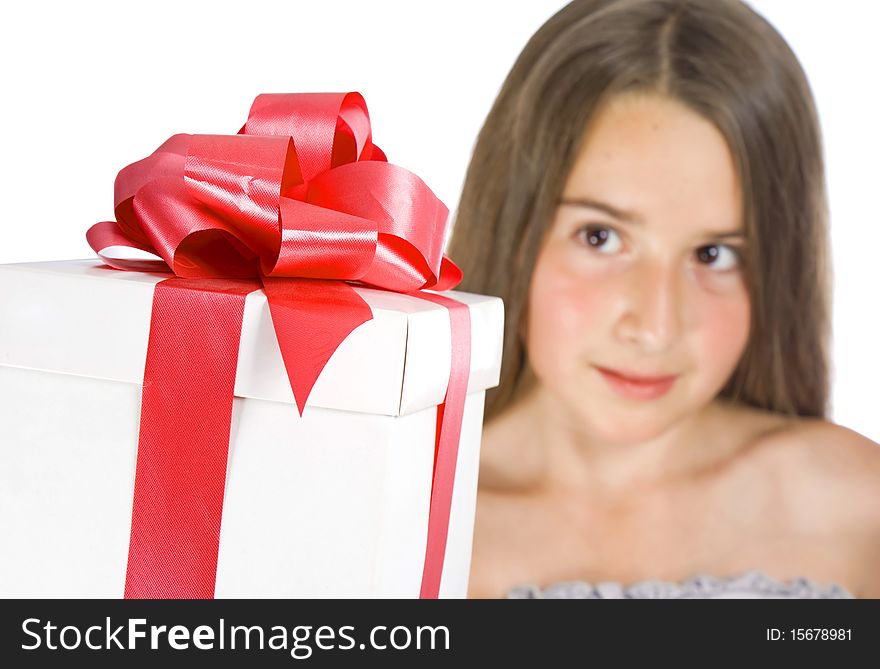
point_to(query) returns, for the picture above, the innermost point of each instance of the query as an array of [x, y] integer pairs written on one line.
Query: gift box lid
[[82, 317]]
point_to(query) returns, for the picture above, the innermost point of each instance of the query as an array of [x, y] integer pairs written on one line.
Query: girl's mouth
[[638, 387]]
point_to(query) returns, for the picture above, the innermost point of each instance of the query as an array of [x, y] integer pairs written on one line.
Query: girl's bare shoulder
[[829, 476], [827, 462]]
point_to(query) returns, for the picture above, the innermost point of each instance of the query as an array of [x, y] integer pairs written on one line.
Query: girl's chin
[[621, 426]]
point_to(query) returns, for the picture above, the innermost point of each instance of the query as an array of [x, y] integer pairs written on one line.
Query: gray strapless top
[[753, 584]]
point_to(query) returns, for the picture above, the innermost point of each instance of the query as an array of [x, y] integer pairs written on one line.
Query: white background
[[90, 87]]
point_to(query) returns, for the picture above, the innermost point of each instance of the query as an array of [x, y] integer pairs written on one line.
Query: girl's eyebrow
[[614, 212], [726, 235], [630, 217]]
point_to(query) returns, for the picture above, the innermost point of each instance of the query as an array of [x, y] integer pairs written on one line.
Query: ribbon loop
[[319, 243], [240, 178]]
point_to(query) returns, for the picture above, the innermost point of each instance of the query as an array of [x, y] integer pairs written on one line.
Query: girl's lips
[[637, 387]]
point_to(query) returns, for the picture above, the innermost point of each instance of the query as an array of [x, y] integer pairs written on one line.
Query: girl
[[647, 195]]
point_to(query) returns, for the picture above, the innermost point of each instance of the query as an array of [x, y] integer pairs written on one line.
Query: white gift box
[[333, 503]]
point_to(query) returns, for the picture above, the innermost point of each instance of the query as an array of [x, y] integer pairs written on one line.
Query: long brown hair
[[726, 63]]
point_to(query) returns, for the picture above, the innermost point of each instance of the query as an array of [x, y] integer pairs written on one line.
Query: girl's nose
[[650, 316]]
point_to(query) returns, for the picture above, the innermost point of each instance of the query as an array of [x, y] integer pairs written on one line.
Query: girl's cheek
[[727, 285], [724, 324], [567, 302]]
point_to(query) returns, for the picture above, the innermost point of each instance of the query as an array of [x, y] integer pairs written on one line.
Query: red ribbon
[[299, 203]]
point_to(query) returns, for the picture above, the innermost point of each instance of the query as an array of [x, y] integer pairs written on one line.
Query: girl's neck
[[536, 447]]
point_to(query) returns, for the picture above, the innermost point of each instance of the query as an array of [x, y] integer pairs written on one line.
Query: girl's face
[[640, 273]]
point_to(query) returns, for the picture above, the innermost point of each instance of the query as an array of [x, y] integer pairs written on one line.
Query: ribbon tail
[[311, 317], [183, 445], [448, 435]]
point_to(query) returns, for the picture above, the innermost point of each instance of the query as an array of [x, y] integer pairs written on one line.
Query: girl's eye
[[719, 257], [603, 239]]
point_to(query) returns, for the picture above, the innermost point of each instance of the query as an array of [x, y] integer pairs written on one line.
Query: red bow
[[300, 192], [298, 203]]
